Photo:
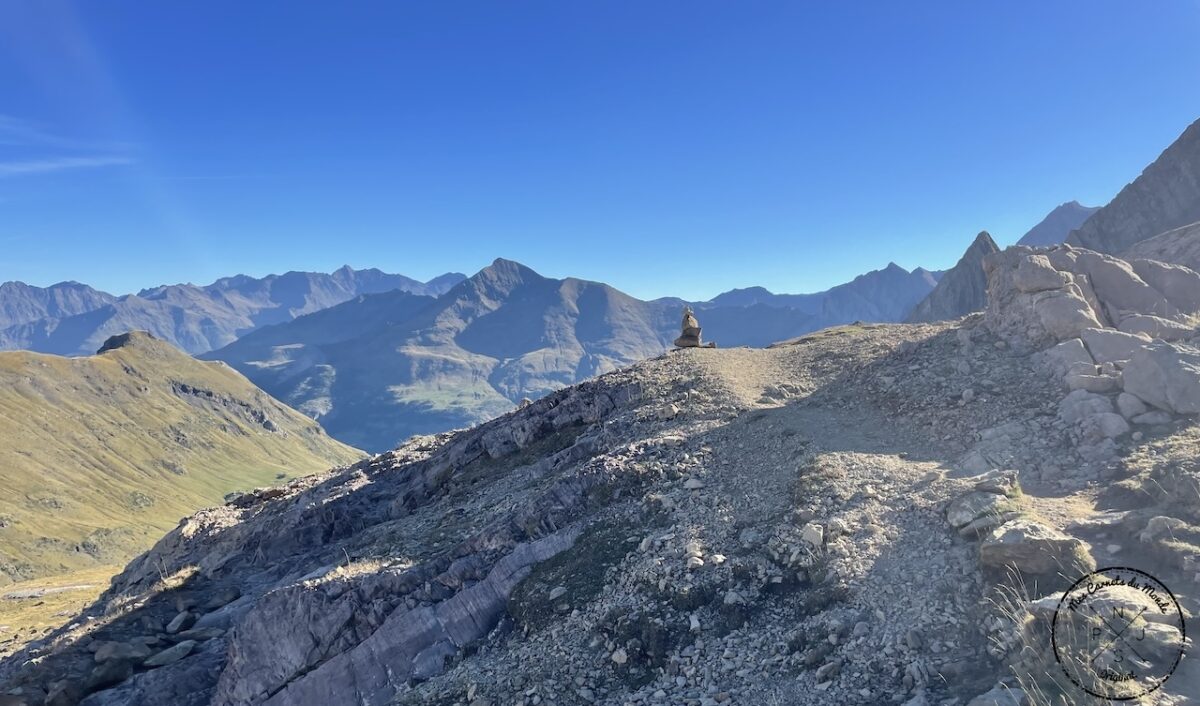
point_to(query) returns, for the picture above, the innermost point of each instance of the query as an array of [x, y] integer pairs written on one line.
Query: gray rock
[[1092, 383], [132, 650], [171, 654], [1065, 313], [181, 621], [1119, 288], [1068, 355], [1034, 548], [1110, 346], [1178, 284], [1110, 425], [975, 505], [1130, 406], [1156, 327], [1034, 273], [1152, 418], [1167, 376], [1081, 404]]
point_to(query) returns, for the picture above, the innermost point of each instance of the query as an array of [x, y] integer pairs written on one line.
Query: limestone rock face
[[1039, 298], [1178, 284], [961, 290], [1166, 376], [1165, 196], [1110, 346], [1179, 246]]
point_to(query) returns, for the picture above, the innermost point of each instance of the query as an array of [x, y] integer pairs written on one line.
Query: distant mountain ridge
[[21, 303], [1058, 224], [879, 295], [72, 319], [379, 368]]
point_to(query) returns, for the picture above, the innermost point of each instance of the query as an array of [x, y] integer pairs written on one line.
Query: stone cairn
[[689, 336]]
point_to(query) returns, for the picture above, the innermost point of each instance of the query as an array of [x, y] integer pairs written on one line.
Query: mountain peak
[[129, 339]]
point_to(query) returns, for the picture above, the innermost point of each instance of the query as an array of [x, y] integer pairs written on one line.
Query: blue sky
[[678, 148]]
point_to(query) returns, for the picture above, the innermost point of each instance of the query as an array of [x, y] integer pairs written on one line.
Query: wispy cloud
[[59, 164], [15, 132], [27, 148]]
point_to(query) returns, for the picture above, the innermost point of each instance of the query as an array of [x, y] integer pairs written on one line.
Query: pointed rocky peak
[[503, 276], [962, 290]]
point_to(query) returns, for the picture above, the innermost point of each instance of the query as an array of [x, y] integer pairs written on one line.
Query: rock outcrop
[[962, 290], [1180, 246], [1121, 336], [1040, 298], [1164, 197]]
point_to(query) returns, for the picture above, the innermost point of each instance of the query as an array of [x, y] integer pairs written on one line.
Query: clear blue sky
[[664, 147]]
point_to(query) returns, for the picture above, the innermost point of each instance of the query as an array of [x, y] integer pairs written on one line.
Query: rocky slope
[[1166, 196], [868, 514], [100, 455], [962, 290], [1057, 225], [1180, 246], [196, 319]]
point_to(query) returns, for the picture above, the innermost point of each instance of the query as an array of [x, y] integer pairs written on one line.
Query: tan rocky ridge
[[867, 514]]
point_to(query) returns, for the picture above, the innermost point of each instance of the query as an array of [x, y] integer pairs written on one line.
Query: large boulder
[[1156, 327], [1036, 553], [1119, 289], [1065, 313], [1035, 274], [1109, 346], [1180, 285], [1070, 355], [1167, 376], [1081, 404]]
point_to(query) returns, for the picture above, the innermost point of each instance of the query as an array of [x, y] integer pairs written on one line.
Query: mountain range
[[380, 368], [73, 319]]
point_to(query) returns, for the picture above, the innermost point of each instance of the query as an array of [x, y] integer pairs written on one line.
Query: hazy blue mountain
[[21, 303], [196, 318], [379, 368], [1058, 224], [880, 295]]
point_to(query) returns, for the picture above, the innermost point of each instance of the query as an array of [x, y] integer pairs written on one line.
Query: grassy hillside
[[100, 455]]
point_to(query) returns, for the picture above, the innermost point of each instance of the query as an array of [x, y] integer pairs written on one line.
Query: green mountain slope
[[100, 455]]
